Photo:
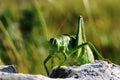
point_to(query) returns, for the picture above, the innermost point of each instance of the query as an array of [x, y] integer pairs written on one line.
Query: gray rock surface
[[98, 70], [9, 69]]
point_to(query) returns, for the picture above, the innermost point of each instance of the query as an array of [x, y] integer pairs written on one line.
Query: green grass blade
[[11, 44]]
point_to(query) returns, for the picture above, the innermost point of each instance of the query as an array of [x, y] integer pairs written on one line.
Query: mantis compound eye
[[53, 43]]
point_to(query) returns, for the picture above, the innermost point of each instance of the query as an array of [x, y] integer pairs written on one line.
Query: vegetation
[[27, 25]]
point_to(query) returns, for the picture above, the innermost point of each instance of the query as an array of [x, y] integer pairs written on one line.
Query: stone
[[98, 70]]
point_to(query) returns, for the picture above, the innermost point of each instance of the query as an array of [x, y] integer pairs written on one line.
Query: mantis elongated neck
[[80, 37]]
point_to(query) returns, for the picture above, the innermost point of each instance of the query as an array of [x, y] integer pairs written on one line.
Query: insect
[[69, 46]]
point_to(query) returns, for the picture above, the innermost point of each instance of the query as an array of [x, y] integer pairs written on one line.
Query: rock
[[8, 69], [98, 70], [20, 76]]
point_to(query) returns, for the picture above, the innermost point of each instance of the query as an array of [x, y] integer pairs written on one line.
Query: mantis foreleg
[[51, 56], [45, 61]]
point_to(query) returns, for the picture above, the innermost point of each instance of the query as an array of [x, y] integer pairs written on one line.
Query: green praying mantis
[[69, 46]]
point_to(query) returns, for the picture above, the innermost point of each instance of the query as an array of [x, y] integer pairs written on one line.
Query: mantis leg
[[45, 61], [52, 62], [95, 50], [50, 56], [65, 58], [90, 45]]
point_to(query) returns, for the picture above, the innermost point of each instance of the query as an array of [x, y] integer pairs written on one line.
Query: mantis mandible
[[68, 45]]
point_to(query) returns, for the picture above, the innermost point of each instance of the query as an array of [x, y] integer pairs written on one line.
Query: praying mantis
[[68, 46]]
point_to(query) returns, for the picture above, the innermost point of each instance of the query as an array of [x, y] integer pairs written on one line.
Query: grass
[[26, 27]]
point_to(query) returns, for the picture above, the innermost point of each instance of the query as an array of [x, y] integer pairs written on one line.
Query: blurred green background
[[27, 25]]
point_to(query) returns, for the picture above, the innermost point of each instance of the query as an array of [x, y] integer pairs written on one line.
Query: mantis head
[[61, 43]]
